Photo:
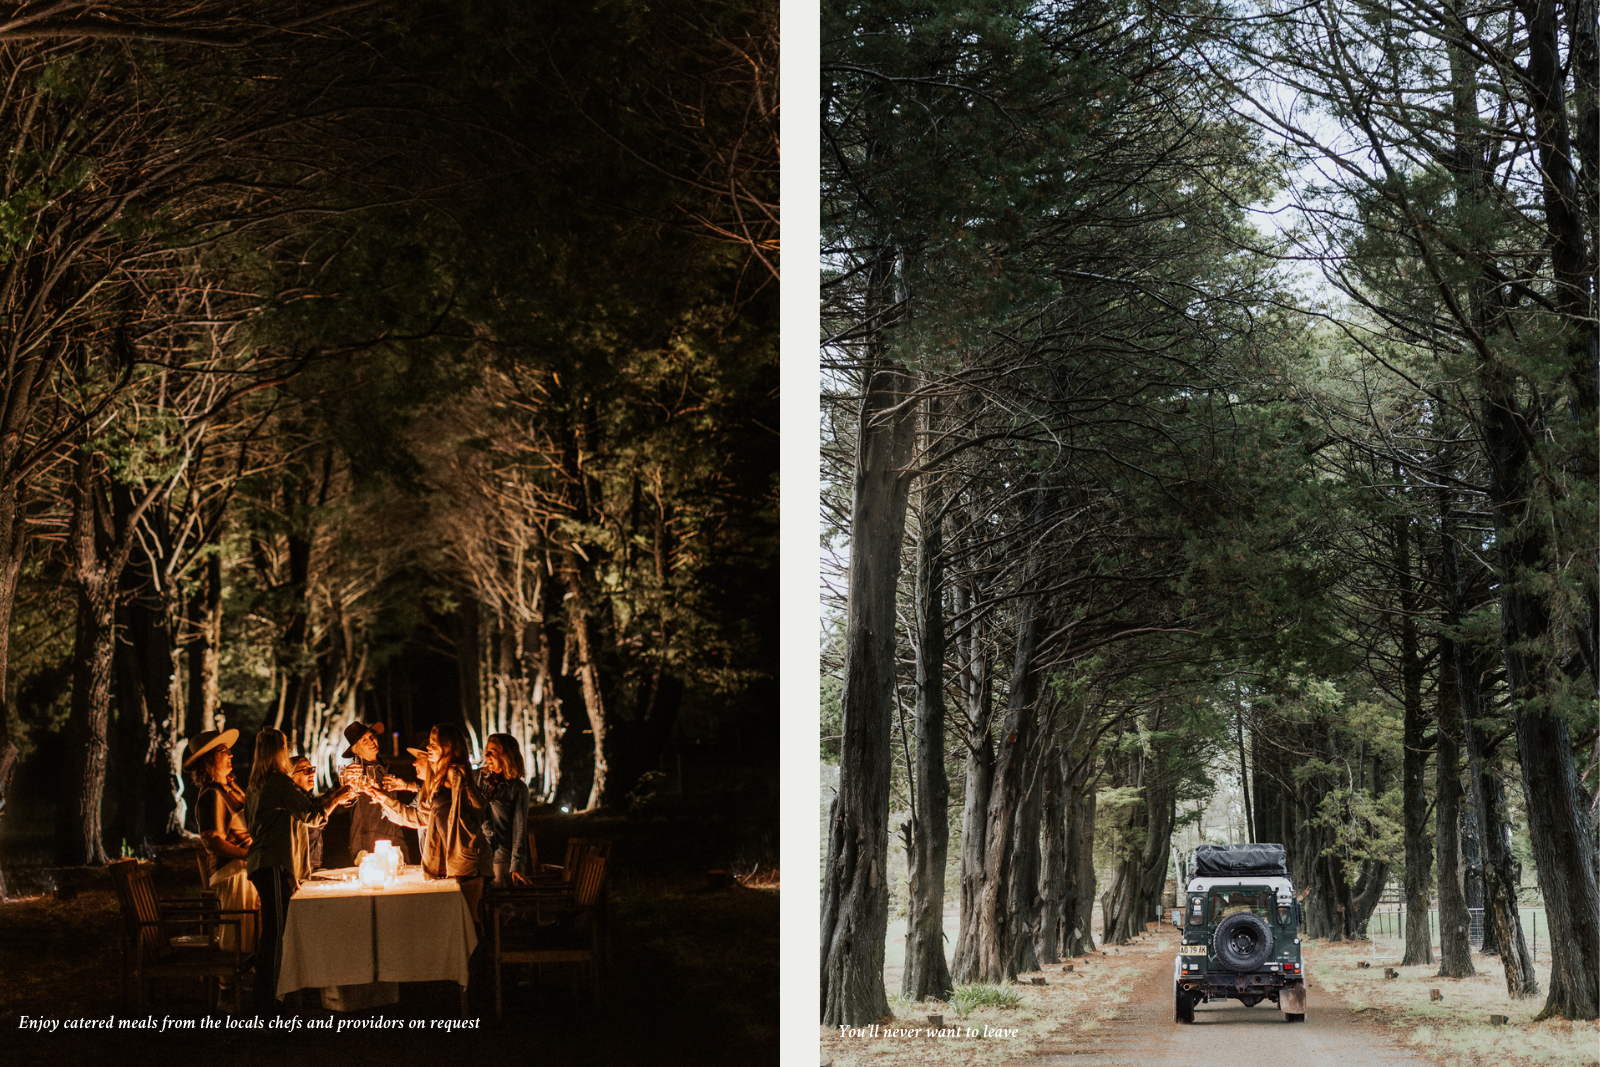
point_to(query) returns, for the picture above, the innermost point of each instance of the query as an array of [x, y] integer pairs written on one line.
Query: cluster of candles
[[380, 868]]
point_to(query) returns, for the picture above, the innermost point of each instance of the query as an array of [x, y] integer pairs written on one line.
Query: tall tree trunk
[[1079, 919], [1488, 798], [1414, 766], [1119, 905], [1270, 782], [1365, 895], [1160, 813], [1563, 844], [1022, 887], [204, 707], [926, 972], [1012, 770], [1558, 824], [1472, 874], [974, 823], [10, 567], [80, 830], [978, 713], [578, 618], [1455, 942], [1500, 420], [1455, 922], [149, 696], [1244, 779], [1053, 877], [468, 654], [552, 718], [855, 891]]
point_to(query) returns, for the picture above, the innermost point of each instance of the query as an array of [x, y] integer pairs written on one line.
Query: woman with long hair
[[394, 784], [448, 814], [276, 811], [219, 813], [505, 824]]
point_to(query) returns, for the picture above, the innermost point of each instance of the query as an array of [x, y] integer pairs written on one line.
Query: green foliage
[[965, 999]]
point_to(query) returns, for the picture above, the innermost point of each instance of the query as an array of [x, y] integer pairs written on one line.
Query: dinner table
[[358, 943]]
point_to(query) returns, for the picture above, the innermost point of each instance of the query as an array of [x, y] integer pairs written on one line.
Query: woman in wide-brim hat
[[219, 812]]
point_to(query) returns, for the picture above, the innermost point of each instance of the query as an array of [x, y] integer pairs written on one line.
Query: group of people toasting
[[264, 839]]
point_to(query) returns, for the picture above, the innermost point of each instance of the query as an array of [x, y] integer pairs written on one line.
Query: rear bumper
[[1219, 984]]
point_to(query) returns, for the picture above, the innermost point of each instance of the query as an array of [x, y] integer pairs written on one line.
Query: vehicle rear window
[[1226, 902]]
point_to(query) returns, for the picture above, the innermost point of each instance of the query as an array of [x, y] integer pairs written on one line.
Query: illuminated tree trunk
[[204, 708], [589, 678], [81, 833]]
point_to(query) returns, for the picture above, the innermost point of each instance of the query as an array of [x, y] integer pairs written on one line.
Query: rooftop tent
[[1229, 861]]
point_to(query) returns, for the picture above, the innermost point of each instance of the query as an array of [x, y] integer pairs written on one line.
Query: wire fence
[[1387, 929]]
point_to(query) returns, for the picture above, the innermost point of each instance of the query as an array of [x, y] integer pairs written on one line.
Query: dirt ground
[[694, 978], [1116, 1010]]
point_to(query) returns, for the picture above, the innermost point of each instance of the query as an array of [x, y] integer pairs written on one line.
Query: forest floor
[[1455, 1031], [1116, 1009], [694, 975], [1070, 1009]]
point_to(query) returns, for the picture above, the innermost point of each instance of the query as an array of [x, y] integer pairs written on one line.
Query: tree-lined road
[[1224, 1033]]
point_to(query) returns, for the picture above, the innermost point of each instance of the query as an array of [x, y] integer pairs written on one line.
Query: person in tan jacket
[[448, 813]]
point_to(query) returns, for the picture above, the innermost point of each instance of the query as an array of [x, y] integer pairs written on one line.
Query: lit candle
[[374, 871]]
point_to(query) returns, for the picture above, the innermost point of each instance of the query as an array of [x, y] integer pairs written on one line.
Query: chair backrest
[[591, 876], [207, 865], [579, 847], [598, 846], [138, 900], [533, 853]]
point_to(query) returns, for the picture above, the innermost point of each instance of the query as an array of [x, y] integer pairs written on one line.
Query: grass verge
[[1454, 1031], [993, 1031]]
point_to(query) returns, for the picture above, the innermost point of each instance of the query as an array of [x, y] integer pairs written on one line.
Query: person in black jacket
[[368, 821], [274, 809]]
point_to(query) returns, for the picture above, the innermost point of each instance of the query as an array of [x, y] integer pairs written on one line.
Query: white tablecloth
[[339, 934]]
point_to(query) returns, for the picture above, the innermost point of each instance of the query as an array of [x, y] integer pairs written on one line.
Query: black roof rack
[[1232, 861]]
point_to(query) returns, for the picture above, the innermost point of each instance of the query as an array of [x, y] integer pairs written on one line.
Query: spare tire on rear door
[[1243, 942]]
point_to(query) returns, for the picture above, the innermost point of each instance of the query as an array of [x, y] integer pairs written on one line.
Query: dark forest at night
[[402, 363]]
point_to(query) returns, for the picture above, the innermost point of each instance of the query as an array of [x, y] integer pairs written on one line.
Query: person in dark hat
[[368, 821], [219, 812]]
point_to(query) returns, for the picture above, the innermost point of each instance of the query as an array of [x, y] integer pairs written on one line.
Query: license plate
[[1192, 950]]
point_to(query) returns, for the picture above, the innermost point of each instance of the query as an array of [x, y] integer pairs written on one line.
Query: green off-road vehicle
[[1241, 932]]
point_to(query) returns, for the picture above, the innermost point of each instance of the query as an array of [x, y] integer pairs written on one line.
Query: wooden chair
[[577, 848], [568, 928], [149, 926]]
